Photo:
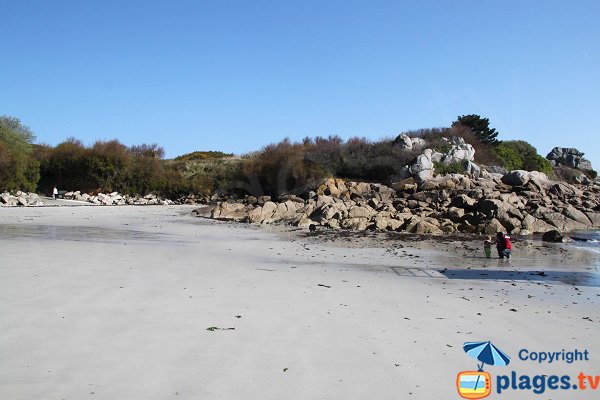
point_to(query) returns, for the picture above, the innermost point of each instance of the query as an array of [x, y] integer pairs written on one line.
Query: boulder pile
[[20, 199], [117, 199], [422, 167], [518, 202]]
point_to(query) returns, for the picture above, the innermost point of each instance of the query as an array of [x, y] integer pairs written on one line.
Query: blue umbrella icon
[[487, 353]]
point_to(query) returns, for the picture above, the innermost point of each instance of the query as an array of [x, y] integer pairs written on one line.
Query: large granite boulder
[[521, 178], [405, 142]]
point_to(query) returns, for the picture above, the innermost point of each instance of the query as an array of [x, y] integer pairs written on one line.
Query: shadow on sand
[[576, 278]]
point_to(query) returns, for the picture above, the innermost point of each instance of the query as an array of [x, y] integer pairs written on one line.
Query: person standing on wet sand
[[503, 245]]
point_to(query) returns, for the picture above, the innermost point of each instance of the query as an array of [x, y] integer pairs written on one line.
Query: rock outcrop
[[458, 152], [405, 142], [519, 202], [569, 157]]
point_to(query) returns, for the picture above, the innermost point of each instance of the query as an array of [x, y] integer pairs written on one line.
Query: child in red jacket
[[503, 245]]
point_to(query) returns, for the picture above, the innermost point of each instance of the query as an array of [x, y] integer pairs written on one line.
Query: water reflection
[[75, 233]]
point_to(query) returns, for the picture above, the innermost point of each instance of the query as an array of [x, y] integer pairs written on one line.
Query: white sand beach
[[116, 302]]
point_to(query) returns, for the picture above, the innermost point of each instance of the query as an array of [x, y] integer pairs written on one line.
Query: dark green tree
[[19, 170], [479, 126]]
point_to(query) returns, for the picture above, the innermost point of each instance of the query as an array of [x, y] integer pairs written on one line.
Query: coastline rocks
[[117, 199], [25, 199], [22, 199], [230, 212], [452, 203]]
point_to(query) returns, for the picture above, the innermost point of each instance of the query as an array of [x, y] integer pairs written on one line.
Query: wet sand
[[153, 303]]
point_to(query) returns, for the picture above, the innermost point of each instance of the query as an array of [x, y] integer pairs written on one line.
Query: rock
[[250, 200], [553, 236], [455, 214], [418, 143], [494, 169], [384, 222], [564, 223], [583, 180], [333, 187], [262, 200], [459, 152], [422, 163], [7, 199], [359, 224], [569, 157], [290, 197], [268, 210], [493, 227], [463, 201], [426, 227], [472, 169], [594, 217], [422, 167], [403, 142], [230, 211], [359, 212], [322, 200], [520, 177], [305, 223], [563, 189], [576, 215]]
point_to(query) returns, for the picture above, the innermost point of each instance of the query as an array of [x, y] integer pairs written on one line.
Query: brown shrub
[[284, 168]]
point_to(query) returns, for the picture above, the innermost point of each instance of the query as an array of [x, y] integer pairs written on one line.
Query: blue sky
[[236, 75]]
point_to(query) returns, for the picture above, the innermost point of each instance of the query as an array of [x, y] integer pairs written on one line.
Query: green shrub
[[518, 154], [444, 169], [211, 175], [538, 163], [203, 155], [510, 158]]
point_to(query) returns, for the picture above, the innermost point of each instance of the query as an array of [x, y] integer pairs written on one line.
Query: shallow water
[[589, 240], [75, 233]]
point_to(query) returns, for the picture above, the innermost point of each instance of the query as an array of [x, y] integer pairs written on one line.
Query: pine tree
[[479, 126]]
